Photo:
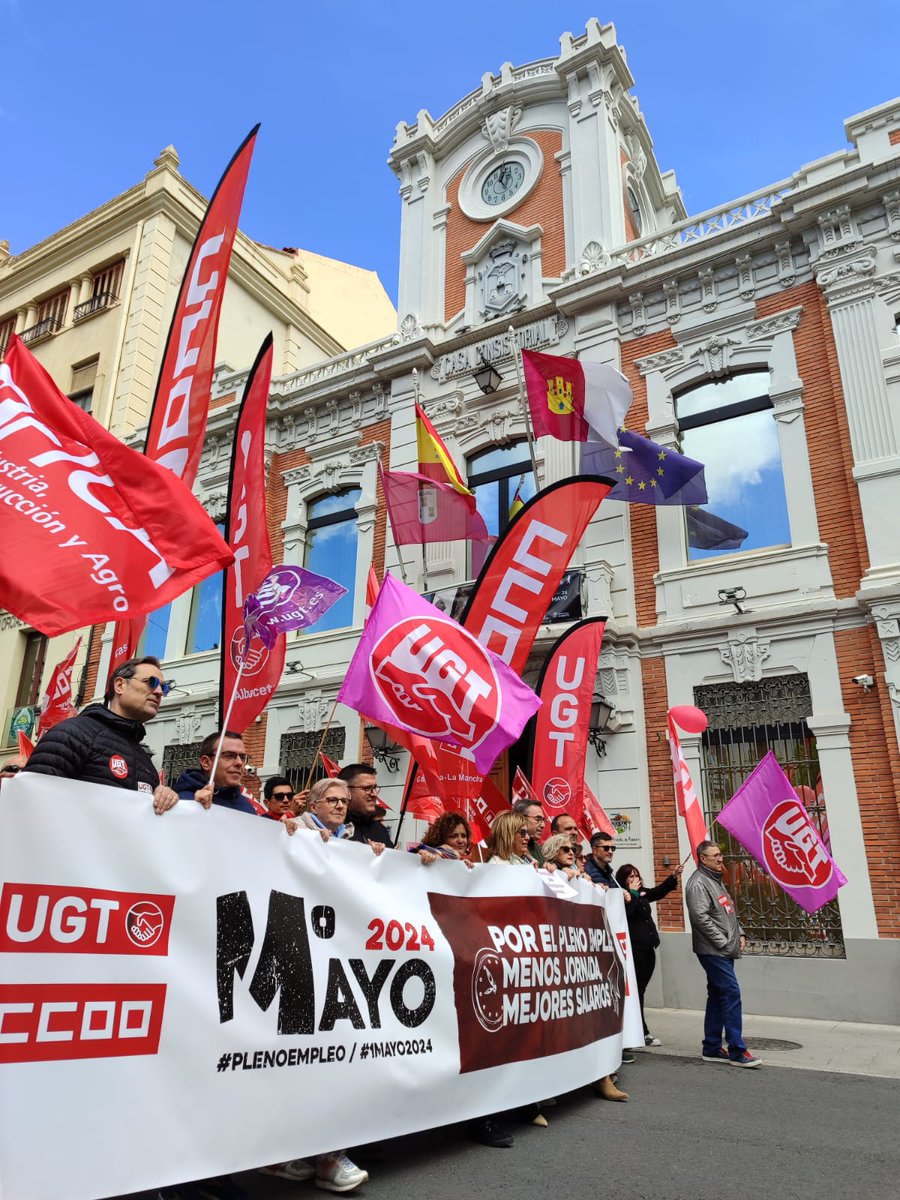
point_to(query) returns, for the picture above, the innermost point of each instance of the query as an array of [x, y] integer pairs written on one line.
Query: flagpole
[[224, 725], [523, 400], [415, 379], [391, 523], [320, 745]]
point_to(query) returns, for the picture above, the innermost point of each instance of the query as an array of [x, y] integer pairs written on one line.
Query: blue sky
[[735, 97]]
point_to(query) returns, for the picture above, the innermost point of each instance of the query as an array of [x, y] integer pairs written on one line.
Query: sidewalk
[[842, 1046]]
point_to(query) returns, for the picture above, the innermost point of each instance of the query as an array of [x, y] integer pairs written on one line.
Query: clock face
[[487, 993], [503, 183]]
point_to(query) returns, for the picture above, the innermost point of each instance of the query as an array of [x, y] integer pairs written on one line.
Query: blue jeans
[[723, 1006]]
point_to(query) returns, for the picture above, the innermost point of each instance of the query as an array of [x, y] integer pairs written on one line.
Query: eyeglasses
[[540, 818], [282, 795], [334, 801], [153, 682], [605, 846], [522, 833], [234, 756], [369, 788]]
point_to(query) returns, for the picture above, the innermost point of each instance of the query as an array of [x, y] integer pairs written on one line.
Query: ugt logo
[[793, 853], [438, 680]]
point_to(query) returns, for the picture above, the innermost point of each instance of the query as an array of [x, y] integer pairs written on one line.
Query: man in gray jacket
[[718, 940]]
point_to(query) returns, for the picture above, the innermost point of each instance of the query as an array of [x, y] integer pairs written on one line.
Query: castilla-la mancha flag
[[56, 703], [417, 669], [691, 720], [90, 529], [247, 533], [181, 401], [767, 818], [575, 401]]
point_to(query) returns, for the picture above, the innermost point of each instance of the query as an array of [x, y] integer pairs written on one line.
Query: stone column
[[845, 272], [74, 289]]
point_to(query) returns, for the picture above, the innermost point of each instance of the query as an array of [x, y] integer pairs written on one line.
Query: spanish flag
[[517, 502], [434, 457]]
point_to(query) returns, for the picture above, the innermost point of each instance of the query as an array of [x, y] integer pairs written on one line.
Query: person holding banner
[[12, 767], [642, 928], [327, 807], [104, 743], [718, 940], [278, 794], [362, 783], [225, 790]]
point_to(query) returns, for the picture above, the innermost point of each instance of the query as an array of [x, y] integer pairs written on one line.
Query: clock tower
[[539, 170]]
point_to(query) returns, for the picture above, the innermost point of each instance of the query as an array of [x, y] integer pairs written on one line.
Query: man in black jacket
[[362, 782], [103, 744]]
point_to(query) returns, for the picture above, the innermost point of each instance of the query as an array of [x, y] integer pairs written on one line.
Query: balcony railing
[[40, 331], [95, 304]]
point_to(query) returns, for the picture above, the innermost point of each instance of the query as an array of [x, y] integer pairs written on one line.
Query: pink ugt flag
[[417, 669], [770, 822]]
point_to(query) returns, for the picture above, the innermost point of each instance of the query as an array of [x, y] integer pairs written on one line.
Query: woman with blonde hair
[[508, 843]]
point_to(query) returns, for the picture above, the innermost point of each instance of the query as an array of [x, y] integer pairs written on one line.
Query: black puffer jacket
[[97, 746]]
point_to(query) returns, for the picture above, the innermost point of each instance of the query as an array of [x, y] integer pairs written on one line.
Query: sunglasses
[[282, 795], [153, 682], [522, 833]]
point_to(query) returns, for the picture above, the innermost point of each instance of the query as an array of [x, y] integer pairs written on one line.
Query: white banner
[[170, 986]]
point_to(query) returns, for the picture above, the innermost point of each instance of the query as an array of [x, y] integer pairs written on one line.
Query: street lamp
[[487, 377], [601, 711], [383, 749]]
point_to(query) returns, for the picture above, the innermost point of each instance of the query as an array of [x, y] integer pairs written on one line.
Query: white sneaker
[[297, 1170], [651, 1041], [336, 1173]]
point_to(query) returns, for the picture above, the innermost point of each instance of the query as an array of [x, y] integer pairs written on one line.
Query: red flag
[[26, 745], [691, 720], [91, 530], [372, 588], [575, 401], [594, 817], [522, 790], [247, 533], [332, 770], [566, 687], [56, 703], [513, 591], [181, 401]]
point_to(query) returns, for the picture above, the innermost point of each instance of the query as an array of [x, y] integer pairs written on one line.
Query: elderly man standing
[[535, 823], [718, 940], [104, 743]]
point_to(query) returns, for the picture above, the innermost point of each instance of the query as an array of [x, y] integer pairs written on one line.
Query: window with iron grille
[[178, 757], [298, 750], [746, 720], [54, 309], [7, 329], [107, 281]]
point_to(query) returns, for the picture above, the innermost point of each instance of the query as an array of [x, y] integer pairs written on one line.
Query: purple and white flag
[[770, 822], [416, 669], [288, 598]]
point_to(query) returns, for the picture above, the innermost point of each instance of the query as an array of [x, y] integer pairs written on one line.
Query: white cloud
[[735, 454]]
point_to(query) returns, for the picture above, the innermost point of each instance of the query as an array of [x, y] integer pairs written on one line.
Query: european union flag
[[647, 472]]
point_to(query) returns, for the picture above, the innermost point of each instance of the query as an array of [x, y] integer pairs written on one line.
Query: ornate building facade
[[760, 337]]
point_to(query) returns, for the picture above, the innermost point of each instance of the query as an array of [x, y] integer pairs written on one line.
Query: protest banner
[[174, 1001]]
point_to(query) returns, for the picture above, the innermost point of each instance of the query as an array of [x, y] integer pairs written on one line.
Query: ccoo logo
[[794, 855], [438, 680]]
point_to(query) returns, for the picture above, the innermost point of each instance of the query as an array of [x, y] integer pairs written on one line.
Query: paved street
[[690, 1132]]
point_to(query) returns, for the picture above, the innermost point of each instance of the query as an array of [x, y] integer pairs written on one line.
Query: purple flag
[[416, 669], [647, 472], [288, 598], [770, 822], [423, 509]]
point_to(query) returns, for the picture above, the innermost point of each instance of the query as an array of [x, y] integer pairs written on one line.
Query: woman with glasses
[[642, 928], [508, 843], [326, 810], [559, 852]]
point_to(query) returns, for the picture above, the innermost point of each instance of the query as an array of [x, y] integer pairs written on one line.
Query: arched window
[[634, 208], [728, 425], [502, 480], [331, 545]]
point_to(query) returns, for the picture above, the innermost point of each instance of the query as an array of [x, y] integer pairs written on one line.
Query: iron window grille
[[298, 752], [178, 757], [746, 720]]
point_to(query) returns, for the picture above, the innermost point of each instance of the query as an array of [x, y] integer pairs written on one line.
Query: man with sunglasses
[[104, 743], [225, 790]]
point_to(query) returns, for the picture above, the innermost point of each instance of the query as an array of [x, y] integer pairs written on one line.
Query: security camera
[[864, 681]]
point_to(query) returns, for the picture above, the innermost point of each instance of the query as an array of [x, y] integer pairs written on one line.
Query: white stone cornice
[[659, 362], [781, 322], [301, 475]]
